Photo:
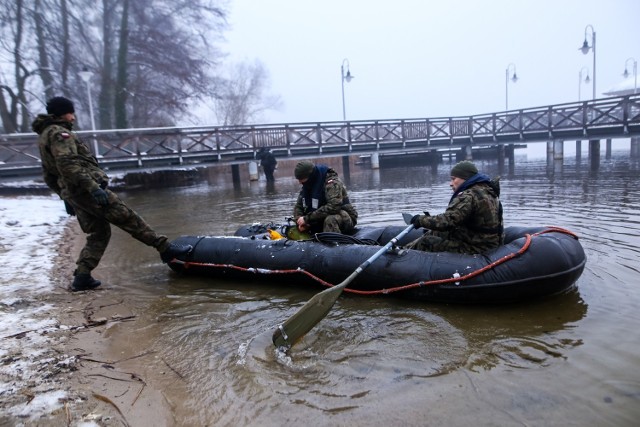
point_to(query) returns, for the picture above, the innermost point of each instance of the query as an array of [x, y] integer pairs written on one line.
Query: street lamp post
[[348, 78], [585, 49], [513, 78], [586, 80], [635, 73], [86, 75]]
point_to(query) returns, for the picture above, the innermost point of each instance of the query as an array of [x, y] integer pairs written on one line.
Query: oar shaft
[[373, 257], [317, 307]]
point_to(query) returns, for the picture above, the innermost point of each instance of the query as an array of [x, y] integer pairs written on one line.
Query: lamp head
[[514, 78], [85, 75], [585, 47], [348, 77]]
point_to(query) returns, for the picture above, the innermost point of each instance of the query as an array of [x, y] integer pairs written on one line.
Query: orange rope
[[523, 249]]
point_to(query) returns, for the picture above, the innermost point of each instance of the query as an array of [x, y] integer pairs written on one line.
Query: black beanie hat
[[303, 169], [59, 106], [464, 169]]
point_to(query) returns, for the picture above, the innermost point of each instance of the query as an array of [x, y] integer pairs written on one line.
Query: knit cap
[[303, 169], [464, 169], [59, 106]]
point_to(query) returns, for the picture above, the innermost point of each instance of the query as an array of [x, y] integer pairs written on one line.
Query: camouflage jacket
[[68, 166], [473, 218], [330, 200]]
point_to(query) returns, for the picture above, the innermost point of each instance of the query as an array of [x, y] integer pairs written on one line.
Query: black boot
[[84, 282], [175, 250]]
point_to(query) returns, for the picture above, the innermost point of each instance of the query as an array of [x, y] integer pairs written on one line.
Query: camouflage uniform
[[472, 223], [71, 170], [336, 214]]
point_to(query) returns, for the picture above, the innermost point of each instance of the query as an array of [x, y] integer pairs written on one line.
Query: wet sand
[[105, 384]]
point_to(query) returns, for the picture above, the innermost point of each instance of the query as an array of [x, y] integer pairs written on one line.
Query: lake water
[[572, 359]]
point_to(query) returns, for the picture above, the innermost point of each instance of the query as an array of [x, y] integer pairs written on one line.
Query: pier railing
[[615, 117]]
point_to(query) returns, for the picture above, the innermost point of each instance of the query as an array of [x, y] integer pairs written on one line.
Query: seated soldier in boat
[[472, 223], [323, 203]]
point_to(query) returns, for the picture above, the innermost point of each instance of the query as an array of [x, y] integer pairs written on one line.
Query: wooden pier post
[[346, 168], [594, 154], [558, 150], [235, 175], [375, 160], [634, 146]]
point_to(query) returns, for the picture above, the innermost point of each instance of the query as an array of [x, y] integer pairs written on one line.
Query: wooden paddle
[[294, 328]]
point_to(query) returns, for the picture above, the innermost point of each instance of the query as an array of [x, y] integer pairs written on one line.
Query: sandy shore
[[77, 374]]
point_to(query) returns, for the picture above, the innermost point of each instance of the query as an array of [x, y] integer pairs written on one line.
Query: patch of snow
[[31, 228], [43, 403]]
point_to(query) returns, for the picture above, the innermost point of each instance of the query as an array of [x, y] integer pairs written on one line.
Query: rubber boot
[[175, 250], [84, 282]]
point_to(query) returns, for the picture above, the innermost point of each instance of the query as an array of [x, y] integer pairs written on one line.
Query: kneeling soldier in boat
[[323, 203], [472, 223]]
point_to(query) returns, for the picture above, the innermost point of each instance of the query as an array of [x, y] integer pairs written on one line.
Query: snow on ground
[[30, 229]]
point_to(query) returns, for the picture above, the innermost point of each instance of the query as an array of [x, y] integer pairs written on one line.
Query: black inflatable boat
[[533, 262]]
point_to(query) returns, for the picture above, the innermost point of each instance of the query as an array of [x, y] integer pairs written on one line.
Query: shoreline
[[81, 373]]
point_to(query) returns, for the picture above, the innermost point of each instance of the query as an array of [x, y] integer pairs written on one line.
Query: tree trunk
[[105, 99], [48, 81], [121, 82]]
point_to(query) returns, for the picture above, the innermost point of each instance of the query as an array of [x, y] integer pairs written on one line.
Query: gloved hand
[[302, 224], [69, 208], [426, 213], [415, 220], [100, 196]]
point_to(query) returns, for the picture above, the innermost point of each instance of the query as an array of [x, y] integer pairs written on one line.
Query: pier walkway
[[120, 149]]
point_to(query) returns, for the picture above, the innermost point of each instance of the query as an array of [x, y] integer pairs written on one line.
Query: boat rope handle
[[523, 249]]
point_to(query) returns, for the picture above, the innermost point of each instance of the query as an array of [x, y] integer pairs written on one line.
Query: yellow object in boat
[[274, 235]]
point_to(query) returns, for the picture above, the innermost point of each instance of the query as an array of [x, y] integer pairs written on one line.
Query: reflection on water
[[381, 360]]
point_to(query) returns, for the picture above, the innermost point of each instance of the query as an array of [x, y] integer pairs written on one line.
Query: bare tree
[[241, 98], [151, 61], [15, 107], [174, 62], [150, 58], [36, 75]]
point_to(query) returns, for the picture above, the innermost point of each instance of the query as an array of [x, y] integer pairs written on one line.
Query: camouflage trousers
[[95, 221], [432, 242], [338, 223]]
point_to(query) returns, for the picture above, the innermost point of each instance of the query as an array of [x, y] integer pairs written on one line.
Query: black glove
[[415, 220], [426, 213], [100, 196], [69, 208]]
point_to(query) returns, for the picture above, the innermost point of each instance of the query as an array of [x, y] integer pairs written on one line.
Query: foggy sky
[[425, 58]]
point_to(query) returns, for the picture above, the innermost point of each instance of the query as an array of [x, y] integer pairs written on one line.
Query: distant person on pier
[[73, 173], [472, 223], [323, 204], [268, 162]]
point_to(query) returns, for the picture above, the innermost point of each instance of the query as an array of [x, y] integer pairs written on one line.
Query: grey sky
[[425, 58]]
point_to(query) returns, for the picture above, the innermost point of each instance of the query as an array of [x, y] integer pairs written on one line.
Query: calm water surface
[[573, 359]]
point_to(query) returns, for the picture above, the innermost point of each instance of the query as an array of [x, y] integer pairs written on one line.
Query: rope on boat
[[522, 250], [339, 238]]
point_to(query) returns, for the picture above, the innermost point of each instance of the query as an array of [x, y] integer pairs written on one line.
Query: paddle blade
[[317, 307], [306, 317], [407, 218]]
